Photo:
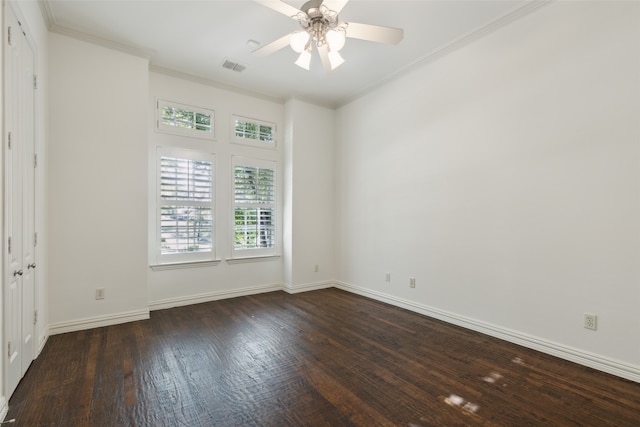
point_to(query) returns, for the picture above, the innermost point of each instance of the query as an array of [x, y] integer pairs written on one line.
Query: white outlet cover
[[591, 321]]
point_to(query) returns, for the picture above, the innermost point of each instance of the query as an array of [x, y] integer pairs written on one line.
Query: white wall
[[310, 204], [98, 183], [190, 285], [505, 178]]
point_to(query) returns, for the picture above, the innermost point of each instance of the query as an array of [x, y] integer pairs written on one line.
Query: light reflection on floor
[[469, 407], [457, 401], [493, 377], [517, 361]]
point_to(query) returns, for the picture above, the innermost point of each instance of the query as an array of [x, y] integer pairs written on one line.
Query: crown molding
[[213, 83], [47, 13], [313, 101], [141, 52], [52, 24], [525, 8]]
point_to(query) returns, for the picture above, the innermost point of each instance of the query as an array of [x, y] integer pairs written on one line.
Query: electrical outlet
[[99, 293], [590, 321], [412, 282], [387, 278]]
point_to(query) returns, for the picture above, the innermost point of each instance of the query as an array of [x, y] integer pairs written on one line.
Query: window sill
[[181, 265], [252, 259]]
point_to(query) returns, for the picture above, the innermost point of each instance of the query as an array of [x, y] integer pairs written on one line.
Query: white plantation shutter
[[254, 189], [185, 179], [185, 206]]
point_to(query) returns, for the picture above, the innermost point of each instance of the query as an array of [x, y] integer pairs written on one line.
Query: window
[[254, 207], [184, 119], [185, 206], [254, 132]]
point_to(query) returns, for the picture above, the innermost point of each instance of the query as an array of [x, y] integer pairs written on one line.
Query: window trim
[[160, 259], [160, 127], [183, 265], [253, 142], [246, 255], [247, 260]]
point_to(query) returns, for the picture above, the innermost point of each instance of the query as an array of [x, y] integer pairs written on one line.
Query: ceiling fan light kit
[[299, 41], [322, 28], [304, 60]]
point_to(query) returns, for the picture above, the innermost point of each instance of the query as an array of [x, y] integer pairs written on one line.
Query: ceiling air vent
[[233, 66]]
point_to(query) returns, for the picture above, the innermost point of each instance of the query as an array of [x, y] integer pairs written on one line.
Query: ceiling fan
[[321, 26]]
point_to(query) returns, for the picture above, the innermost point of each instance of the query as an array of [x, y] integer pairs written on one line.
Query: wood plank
[[325, 358]]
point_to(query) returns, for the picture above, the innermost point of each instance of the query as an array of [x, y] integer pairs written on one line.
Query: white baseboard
[[42, 341], [211, 296], [4, 407], [595, 361], [306, 287], [98, 321]]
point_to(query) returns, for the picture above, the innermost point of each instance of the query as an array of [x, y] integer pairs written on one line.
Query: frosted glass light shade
[[335, 59], [304, 60], [335, 39], [298, 41]]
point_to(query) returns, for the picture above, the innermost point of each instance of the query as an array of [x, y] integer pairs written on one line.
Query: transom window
[[254, 132], [184, 119]]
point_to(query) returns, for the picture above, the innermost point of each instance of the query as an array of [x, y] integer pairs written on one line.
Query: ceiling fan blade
[[374, 33], [274, 46], [324, 57], [335, 5], [280, 6]]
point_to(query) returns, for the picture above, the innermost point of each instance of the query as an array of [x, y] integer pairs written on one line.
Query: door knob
[[17, 273], [32, 265]]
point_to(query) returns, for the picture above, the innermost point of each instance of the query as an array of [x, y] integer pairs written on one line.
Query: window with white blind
[[186, 120], [254, 207], [253, 132], [185, 203]]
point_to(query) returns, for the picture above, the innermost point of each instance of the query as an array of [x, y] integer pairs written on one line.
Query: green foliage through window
[[185, 119], [254, 228], [254, 216], [254, 130]]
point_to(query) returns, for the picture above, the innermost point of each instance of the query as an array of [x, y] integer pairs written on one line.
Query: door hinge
[[35, 161], [35, 81], [35, 317], [9, 140], [9, 248], [35, 238], [9, 349], [9, 34]]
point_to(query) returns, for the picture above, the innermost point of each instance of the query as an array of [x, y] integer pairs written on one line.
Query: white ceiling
[[195, 38]]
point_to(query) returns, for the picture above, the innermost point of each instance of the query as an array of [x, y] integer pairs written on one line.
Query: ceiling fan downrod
[[317, 20]]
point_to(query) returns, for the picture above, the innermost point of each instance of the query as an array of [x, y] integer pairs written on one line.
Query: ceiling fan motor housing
[[318, 20]]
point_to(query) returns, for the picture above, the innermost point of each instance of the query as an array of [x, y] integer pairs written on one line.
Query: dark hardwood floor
[[323, 358]]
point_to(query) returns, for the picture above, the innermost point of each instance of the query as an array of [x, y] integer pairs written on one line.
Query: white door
[[19, 291]]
